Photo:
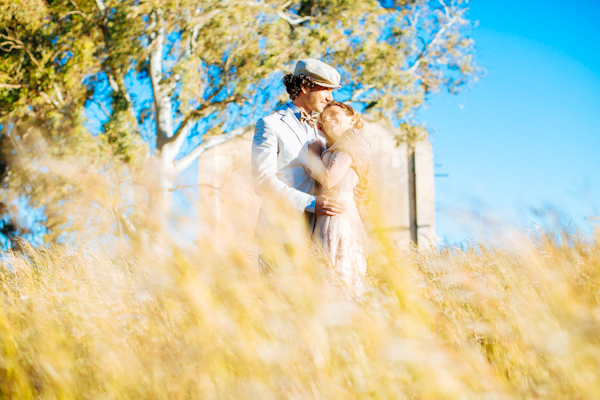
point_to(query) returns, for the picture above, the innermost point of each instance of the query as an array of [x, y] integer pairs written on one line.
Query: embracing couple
[[320, 171]]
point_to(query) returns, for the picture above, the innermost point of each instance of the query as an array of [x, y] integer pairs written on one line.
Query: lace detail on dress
[[342, 237], [354, 143]]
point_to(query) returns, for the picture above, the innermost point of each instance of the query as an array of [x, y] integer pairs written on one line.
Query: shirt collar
[[295, 109], [297, 113]]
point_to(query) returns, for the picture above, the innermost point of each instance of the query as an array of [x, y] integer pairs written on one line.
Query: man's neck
[[301, 105]]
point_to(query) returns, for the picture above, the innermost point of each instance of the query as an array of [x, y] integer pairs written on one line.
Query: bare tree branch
[[76, 12], [446, 8], [112, 81], [125, 223], [203, 110], [117, 83], [162, 101], [49, 99], [101, 6], [197, 23], [101, 107], [115, 78], [59, 94], [433, 42], [208, 144], [202, 20], [291, 20], [10, 86], [208, 185], [74, 4], [21, 160], [15, 43], [358, 92], [9, 46], [35, 61]]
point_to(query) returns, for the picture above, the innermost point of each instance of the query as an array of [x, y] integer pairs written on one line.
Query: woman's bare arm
[[328, 175]]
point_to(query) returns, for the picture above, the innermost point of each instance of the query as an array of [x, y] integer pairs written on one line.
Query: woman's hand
[[315, 148], [362, 195]]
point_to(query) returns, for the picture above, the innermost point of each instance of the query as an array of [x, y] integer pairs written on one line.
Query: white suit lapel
[[290, 119]]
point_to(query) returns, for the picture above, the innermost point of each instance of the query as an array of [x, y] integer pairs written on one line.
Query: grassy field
[[169, 323]]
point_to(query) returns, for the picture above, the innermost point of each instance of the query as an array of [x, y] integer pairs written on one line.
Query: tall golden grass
[[205, 323]]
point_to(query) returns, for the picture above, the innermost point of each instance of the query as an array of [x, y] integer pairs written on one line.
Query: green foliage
[[118, 140], [205, 59], [411, 133], [48, 52]]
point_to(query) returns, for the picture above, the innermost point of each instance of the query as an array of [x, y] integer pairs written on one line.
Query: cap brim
[[328, 85]]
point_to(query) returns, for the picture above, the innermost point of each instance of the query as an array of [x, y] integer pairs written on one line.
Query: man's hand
[[315, 148], [326, 206]]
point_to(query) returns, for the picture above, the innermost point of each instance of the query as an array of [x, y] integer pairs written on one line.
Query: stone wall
[[228, 199]]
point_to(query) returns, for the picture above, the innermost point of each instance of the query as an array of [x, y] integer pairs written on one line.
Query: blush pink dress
[[341, 168]]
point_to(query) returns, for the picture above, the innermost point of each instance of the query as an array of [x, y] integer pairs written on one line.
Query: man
[[280, 152]]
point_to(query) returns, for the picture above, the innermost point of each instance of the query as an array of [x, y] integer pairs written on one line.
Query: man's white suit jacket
[[279, 167]]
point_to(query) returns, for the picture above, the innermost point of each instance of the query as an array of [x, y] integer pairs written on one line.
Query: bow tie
[[310, 119]]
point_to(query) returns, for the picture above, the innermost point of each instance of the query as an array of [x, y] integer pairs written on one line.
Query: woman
[[345, 165]]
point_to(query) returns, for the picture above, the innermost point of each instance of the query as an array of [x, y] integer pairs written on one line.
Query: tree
[[210, 68]]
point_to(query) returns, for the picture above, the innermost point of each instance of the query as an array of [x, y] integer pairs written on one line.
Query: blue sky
[[525, 139]]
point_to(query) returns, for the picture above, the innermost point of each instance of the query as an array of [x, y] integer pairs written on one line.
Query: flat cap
[[323, 74]]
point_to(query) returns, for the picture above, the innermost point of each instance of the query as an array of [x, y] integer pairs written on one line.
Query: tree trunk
[[163, 171]]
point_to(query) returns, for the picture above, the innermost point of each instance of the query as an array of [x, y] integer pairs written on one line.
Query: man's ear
[[305, 89]]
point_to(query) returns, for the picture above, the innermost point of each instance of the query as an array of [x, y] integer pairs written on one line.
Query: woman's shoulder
[[350, 141], [355, 137], [354, 132]]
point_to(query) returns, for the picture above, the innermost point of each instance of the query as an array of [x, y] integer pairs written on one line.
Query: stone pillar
[[424, 176], [390, 207]]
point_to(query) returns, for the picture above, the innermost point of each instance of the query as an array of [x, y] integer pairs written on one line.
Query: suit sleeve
[[264, 170]]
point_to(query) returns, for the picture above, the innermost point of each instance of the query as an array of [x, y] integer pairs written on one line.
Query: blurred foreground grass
[[483, 323]]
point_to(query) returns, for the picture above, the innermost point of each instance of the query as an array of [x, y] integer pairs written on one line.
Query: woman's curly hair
[[293, 84], [348, 110]]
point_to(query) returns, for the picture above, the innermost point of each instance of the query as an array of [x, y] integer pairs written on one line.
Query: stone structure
[[403, 189]]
